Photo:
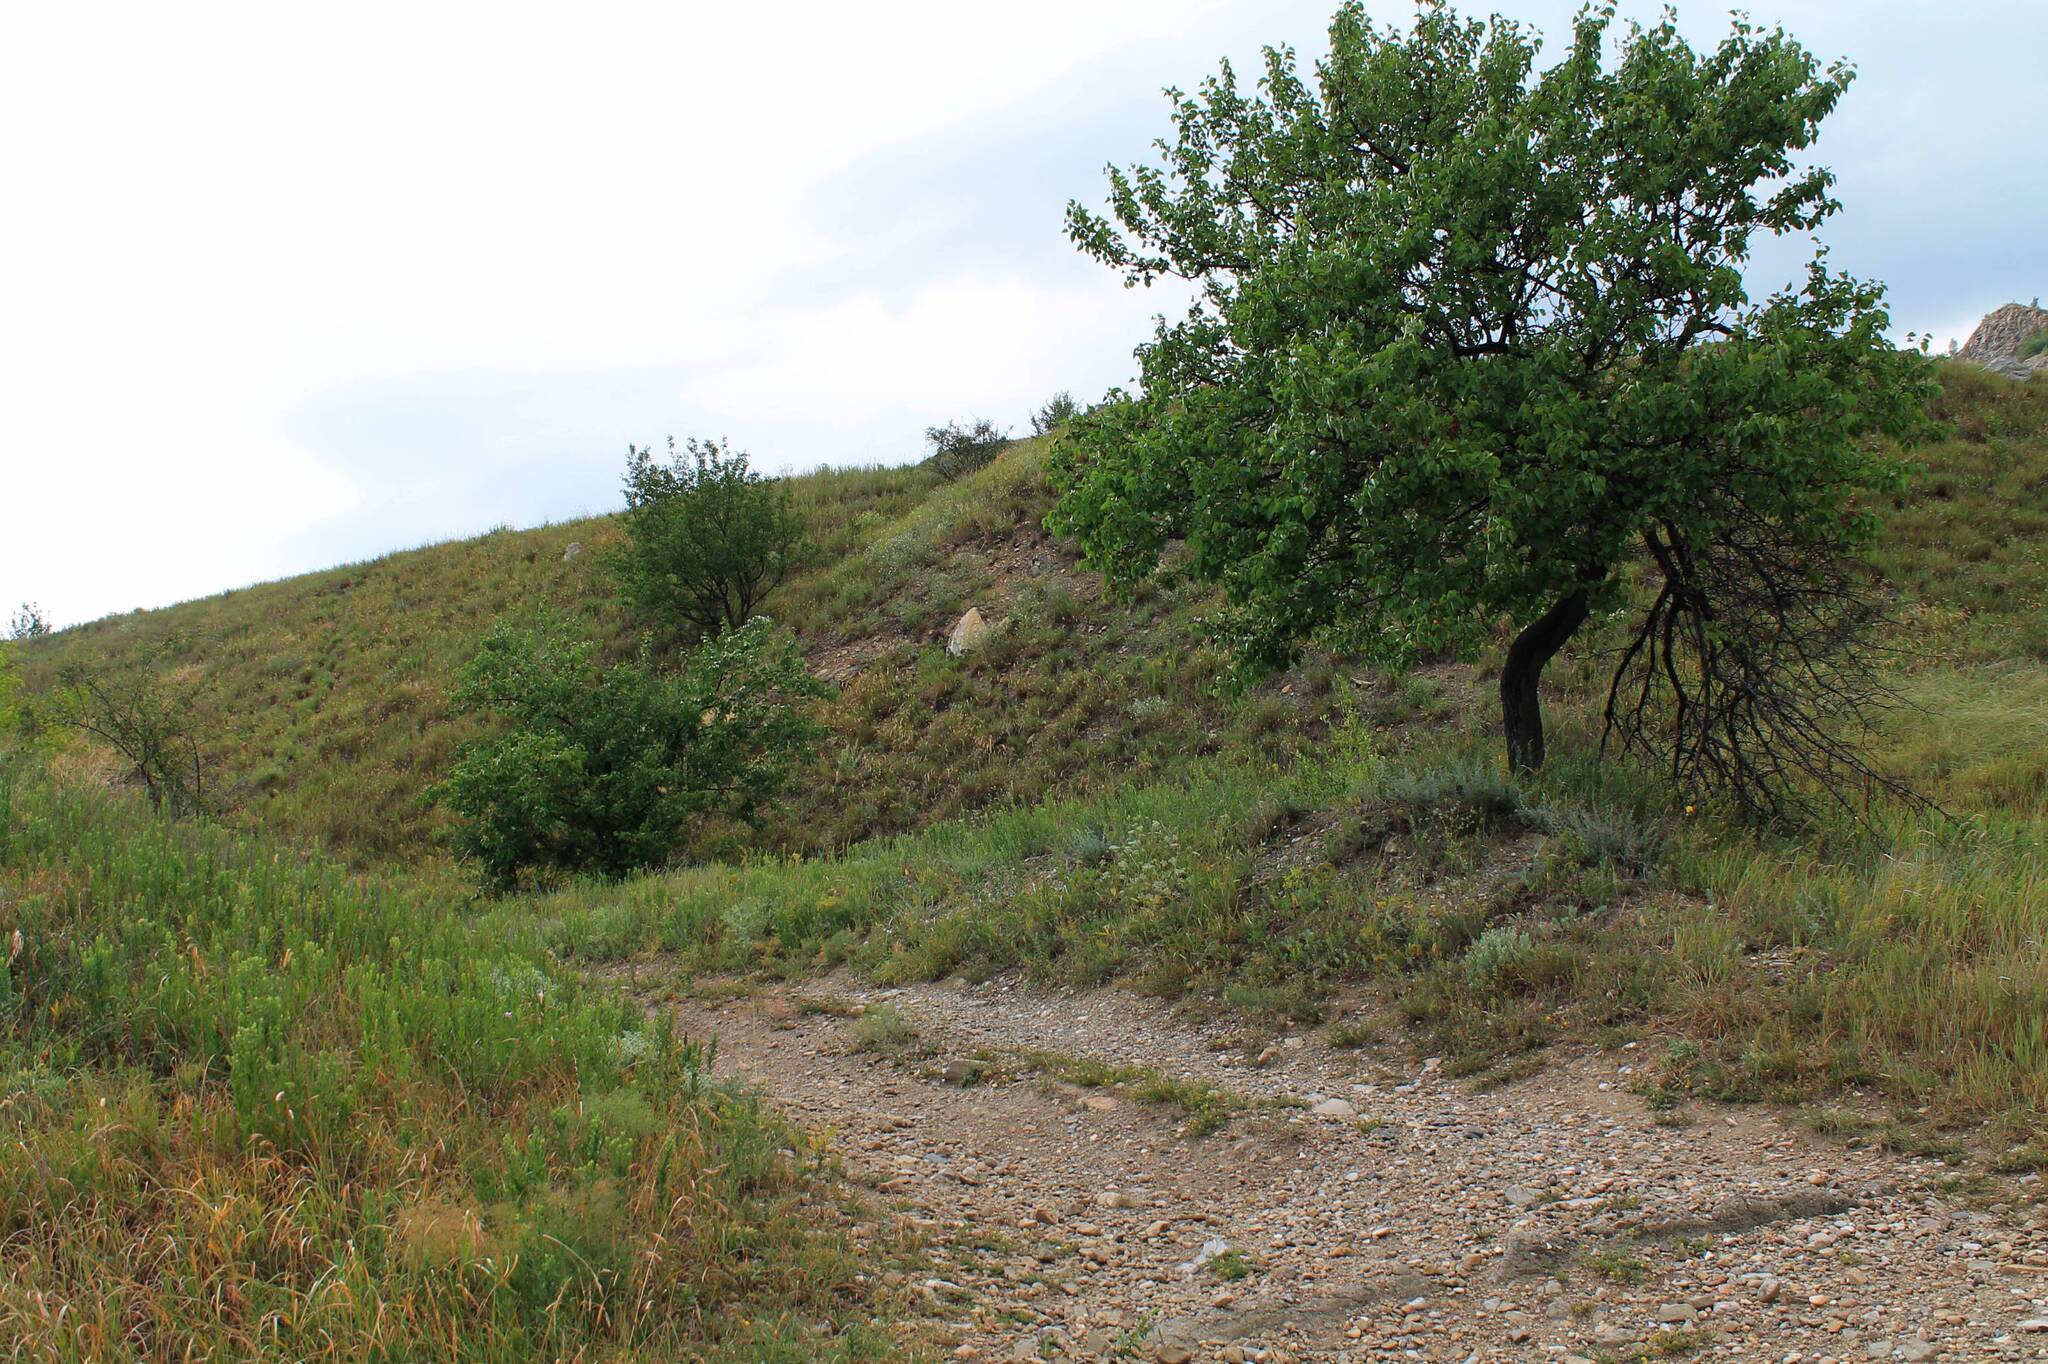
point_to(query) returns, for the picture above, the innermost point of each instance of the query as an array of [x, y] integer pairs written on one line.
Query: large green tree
[[1471, 345]]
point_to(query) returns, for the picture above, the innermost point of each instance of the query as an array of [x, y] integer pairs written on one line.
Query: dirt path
[[1413, 1218]]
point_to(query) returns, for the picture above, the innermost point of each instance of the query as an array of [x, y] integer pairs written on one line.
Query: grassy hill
[[1082, 801], [324, 697]]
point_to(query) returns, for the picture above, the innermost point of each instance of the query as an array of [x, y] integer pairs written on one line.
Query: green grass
[[256, 1108]]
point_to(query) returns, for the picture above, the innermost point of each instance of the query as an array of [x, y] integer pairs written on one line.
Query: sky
[[289, 286]]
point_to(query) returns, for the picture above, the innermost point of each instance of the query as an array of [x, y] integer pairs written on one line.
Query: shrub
[[958, 449], [28, 623], [1055, 414], [601, 769], [1498, 957], [707, 538], [147, 719], [2034, 345]]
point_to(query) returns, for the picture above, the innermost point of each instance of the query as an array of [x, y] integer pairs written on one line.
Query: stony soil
[[1414, 1218]]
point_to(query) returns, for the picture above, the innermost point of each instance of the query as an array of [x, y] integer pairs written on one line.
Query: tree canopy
[[1471, 341], [707, 538]]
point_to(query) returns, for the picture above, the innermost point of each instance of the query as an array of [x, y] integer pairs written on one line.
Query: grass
[[257, 1108]]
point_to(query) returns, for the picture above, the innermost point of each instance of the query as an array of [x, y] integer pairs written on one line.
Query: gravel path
[[1385, 1212]]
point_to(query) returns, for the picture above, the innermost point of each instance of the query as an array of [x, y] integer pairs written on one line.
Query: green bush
[[1498, 957], [1055, 414], [2034, 345], [958, 449], [602, 768], [707, 538]]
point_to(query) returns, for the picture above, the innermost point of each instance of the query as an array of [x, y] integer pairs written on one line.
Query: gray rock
[[572, 551], [1918, 1351], [1334, 1108], [970, 632]]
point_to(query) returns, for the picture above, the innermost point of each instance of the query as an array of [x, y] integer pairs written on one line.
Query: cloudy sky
[[283, 286]]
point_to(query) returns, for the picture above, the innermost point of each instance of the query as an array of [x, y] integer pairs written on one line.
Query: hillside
[[325, 697]]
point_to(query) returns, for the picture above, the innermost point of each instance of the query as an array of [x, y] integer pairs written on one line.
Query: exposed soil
[[1557, 1219]]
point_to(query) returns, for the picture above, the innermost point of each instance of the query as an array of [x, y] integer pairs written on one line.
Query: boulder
[[572, 551], [970, 632]]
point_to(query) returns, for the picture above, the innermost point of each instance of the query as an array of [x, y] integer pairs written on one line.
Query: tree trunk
[[1521, 706]]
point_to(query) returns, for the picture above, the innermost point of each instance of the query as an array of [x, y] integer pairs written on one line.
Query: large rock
[[1999, 338], [970, 632]]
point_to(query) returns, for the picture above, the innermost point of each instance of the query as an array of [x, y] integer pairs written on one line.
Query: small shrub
[[1499, 957], [958, 448], [1467, 789], [29, 622], [2034, 345], [1055, 414], [884, 1028], [147, 719]]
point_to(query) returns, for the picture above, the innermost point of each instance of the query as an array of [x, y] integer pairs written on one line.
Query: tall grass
[[257, 1109]]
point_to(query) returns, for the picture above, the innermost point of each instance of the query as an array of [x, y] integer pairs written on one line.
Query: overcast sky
[[283, 286]]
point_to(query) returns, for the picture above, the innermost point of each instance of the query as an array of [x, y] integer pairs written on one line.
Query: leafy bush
[[601, 769], [958, 449], [1055, 414], [2034, 345], [708, 539]]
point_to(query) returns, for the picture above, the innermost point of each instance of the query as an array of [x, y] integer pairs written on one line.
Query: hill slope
[[324, 697]]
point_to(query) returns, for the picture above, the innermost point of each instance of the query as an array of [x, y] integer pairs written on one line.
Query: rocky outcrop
[[2002, 335]]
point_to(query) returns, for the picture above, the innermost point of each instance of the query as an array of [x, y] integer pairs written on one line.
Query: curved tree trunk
[[1521, 707]]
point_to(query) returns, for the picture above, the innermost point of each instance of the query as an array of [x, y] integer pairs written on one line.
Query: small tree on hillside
[[602, 768], [1448, 367], [959, 448], [146, 718], [1055, 414], [708, 539], [29, 622]]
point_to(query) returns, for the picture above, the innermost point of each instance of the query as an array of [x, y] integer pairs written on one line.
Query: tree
[[1055, 414], [708, 539], [959, 448], [29, 623], [1471, 345], [147, 719], [600, 768]]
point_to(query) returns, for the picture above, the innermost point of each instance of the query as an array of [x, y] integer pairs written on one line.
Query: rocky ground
[[1358, 1208]]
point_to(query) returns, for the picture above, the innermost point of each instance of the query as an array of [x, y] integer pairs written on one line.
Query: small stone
[[2033, 1324], [1116, 1198], [970, 632], [1769, 1290], [1173, 1354], [1521, 1196], [1334, 1108], [1917, 1351], [1672, 1313]]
